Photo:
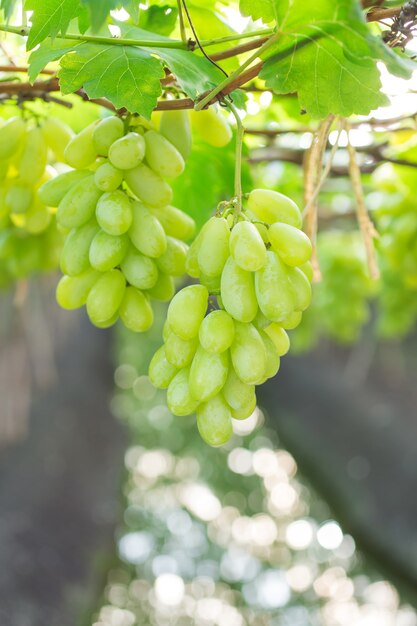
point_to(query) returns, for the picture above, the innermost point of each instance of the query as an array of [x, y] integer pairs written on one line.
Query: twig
[[365, 224], [312, 171], [376, 14], [240, 49]]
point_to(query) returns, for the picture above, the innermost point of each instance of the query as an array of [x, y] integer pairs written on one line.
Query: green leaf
[[47, 52], [50, 18], [8, 6], [264, 10], [327, 54], [159, 20], [99, 10], [128, 76]]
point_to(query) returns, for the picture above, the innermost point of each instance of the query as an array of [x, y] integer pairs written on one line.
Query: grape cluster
[[255, 265], [124, 242], [29, 240]]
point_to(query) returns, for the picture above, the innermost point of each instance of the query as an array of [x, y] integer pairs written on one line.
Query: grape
[[273, 360], [213, 251], [212, 127], [107, 251], [114, 212], [75, 253], [186, 311], [214, 421], [32, 160], [140, 270], [162, 156], [238, 394], [106, 133], [37, 218], [136, 311], [271, 206], [301, 288], [146, 232], [292, 245], [127, 152], [208, 373], [161, 372], [163, 289], [148, 186], [172, 261], [217, 331], [274, 291], [72, 291], [175, 126], [107, 177], [57, 135], [53, 191], [12, 133], [180, 352], [175, 223], [19, 197], [238, 292], [107, 323], [79, 203], [279, 337], [179, 399], [244, 412], [105, 296], [80, 152], [248, 354], [247, 247]]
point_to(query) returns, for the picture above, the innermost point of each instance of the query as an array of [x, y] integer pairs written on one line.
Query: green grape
[[238, 292], [106, 133], [179, 399], [191, 263], [148, 186], [307, 268], [279, 338], [19, 197], [212, 127], [114, 212], [107, 251], [57, 135], [237, 394], [108, 323], [271, 206], [301, 288], [164, 288], [248, 354], [161, 372], [72, 291], [273, 289], [261, 321], [107, 177], [245, 411], [146, 233], [292, 245], [127, 152], [53, 191], [180, 352], [208, 373], [247, 247], [187, 310], [32, 160], [12, 133], [262, 230], [173, 260], [140, 270], [175, 126], [80, 152], [273, 360], [214, 246], [106, 296], [214, 421], [217, 331], [75, 253], [37, 218], [79, 204], [162, 156], [211, 282], [175, 223], [135, 311]]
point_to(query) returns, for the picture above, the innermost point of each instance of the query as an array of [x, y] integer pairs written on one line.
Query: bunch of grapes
[[340, 304], [29, 240], [124, 242], [254, 265]]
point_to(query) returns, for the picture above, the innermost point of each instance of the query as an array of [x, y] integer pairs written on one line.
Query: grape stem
[[240, 131]]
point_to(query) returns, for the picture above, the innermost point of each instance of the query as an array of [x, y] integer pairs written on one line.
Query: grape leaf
[[47, 52], [264, 10], [327, 54], [8, 6], [50, 18], [128, 76], [159, 20]]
